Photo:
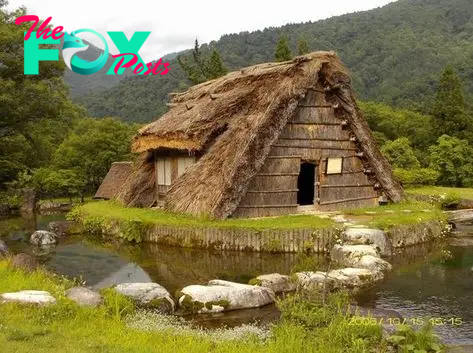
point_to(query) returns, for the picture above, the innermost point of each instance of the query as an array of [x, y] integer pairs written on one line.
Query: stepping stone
[[148, 295], [219, 296], [28, 297], [84, 296], [276, 282], [375, 237]]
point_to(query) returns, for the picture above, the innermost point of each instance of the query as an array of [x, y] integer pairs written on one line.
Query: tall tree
[[283, 52], [34, 110], [215, 67], [302, 46], [202, 68], [449, 109]]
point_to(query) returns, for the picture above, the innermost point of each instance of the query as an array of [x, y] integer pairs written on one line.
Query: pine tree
[[449, 108], [302, 46], [214, 66], [202, 69], [283, 53]]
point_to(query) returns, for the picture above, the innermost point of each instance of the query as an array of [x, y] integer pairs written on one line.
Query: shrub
[[418, 176]]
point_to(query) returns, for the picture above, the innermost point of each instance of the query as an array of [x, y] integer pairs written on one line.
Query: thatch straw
[[114, 180], [233, 120]]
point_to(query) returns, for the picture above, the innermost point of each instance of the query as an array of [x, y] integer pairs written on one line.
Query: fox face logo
[[72, 45]]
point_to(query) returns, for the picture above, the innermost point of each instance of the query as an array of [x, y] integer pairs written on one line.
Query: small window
[[183, 163], [334, 166], [164, 171]]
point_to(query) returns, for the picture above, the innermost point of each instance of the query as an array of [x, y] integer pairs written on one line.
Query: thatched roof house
[[262, 141], [114, 180]]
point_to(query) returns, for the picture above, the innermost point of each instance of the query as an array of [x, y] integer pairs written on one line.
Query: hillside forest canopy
[[61, 131]]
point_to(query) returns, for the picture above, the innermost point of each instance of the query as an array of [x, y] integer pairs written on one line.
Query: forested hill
[[395, 53]]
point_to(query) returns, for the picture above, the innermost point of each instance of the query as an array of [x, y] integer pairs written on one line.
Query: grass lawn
[[108, 210], [462, 193], [115, 327], [406, 212]]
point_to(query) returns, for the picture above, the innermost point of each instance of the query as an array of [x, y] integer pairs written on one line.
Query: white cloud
[[175, 25]]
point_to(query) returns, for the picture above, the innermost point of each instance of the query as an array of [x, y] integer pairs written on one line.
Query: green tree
[[92, 147], [202, 68], [51, 182], [449, 109], [400, 154], [302, 46], [283, 53], [451, 157], [215, 67], [35, 110]]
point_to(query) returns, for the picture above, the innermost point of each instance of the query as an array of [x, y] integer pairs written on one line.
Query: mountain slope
[[395, 54]]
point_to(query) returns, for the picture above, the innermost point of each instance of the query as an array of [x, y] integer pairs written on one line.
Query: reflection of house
[[114, 180], [260, 142]]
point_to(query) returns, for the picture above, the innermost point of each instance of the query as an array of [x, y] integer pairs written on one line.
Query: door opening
[[306, 184]]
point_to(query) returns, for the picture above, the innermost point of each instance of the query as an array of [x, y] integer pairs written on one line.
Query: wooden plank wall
[[314, 134]]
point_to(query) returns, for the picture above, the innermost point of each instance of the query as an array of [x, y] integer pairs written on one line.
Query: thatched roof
[[235, 119], [114, 180]]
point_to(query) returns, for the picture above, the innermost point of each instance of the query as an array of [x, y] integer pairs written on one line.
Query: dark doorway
[[306, 184]]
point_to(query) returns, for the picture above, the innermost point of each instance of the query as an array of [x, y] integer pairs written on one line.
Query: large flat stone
[[375, 237], [355, 277], [220, 296], [28, 297], [276, 282], [149, 295], [84, 296], [341, 253]]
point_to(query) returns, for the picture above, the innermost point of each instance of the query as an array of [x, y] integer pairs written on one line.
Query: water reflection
[[429, 281]]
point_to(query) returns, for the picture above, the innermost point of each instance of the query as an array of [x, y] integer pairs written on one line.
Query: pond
[[432, 282]]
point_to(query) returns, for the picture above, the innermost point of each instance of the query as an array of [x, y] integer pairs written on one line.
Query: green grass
[[385, 217], [464, 193], [307, 326], [108, 210]]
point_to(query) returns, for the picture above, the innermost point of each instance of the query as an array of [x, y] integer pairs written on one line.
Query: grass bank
[[116, 327], [403, 213], [440, 191], [109, 210]]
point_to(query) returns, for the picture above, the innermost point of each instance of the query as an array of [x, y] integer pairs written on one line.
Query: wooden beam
[[271, 191], [172, 105], [317, 148], [277, 174], [328, 124], [348, 200], [268, 206], [284, 157], [314, 139], [347, 186]]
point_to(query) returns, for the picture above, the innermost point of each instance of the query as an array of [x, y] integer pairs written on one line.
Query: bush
[[418, 176]]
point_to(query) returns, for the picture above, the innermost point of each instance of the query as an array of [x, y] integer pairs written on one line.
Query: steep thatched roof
[[113, 181], [235, 119]]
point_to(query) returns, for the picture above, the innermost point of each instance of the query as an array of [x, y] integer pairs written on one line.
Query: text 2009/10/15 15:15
[[416, 321]]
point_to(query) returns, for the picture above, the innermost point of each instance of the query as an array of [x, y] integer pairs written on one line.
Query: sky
[[175, 25]]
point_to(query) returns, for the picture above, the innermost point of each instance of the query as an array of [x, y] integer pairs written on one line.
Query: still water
[[433, 282]]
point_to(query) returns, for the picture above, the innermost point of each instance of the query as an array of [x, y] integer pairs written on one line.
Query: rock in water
[[370, 262], [24, 262], [221, 296], [43, 237], [4, 252], [276, 282], [84, 296], [376, 237], [340, 253], [28, 297], [61, 228], [148, 295], [352, 278]]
